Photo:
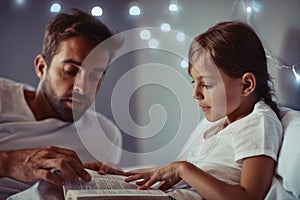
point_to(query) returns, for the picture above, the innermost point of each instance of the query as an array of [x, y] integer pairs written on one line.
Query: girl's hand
[[104, 167], [169, 174]]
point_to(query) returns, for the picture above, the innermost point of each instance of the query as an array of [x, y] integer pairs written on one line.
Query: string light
[[184, 64], [153, 43], [249, 9], [296, 70], [134, 10], [55, 8], [145, 34], [20, 2], [173, 7], [271, 59], [97, 11], [165, 27], [275, 62], [180, 37]]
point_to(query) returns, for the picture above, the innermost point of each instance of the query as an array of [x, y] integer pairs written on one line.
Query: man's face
[[73, 79]]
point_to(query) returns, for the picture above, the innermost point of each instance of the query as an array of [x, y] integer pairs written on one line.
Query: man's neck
[[37, 104]]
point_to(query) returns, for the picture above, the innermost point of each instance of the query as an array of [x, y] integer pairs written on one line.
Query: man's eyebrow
[[71, 61], [79, 64]]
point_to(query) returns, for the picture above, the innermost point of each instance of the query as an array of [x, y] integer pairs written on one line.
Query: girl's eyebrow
[[204, 77]]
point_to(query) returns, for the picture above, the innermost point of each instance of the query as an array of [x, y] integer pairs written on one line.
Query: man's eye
[[71, 71]]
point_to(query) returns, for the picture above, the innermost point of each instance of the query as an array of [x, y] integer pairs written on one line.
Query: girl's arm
[[255, 180]]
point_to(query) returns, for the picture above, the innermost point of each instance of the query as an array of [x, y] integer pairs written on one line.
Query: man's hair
[[65, 26]]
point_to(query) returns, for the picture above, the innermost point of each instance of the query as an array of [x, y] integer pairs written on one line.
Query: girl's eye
[[207, 86], [192, 81]]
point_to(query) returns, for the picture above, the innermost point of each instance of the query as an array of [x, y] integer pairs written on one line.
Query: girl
[[235, 156]]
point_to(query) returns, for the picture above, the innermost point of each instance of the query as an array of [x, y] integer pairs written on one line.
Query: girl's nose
[[197, 94]]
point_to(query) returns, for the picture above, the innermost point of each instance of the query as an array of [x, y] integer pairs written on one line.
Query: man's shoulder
[[7, 84], [97, 121], [9, 90], [95, 114], [100, 119]]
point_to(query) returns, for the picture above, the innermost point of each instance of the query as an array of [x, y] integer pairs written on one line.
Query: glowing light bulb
[[145, 34], [173, 7], [180, 36], [184, 64], [20, 2], [55, 8], [134, 10], [297, 75], [165, 27], [97, 11], [153, 43], [249, 9]]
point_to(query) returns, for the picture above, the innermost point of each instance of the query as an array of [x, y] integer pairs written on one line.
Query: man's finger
[[64, 152], [49, 176], [91, 165]]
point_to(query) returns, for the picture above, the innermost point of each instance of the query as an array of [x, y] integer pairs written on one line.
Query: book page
[[115, 194], [104, 186], [98, 181]]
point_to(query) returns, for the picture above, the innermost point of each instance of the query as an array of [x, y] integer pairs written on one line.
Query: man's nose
[[81, 84]]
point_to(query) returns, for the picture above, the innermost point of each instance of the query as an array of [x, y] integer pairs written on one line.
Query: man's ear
[[248, 83], [40, 66]]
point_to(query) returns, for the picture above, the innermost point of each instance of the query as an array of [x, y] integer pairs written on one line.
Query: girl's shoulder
[[260, 120], [262, 111]]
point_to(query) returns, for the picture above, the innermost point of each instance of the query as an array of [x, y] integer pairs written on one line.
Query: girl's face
[[217, 94]]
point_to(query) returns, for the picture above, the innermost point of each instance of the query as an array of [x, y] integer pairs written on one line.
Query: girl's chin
[[213, 118]]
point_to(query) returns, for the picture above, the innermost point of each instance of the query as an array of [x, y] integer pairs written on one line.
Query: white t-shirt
[[93, 137], [221, 154]]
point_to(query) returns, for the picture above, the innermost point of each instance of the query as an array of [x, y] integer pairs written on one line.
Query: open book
[[108, 187]]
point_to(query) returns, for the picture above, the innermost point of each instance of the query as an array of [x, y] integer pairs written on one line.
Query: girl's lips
[[205, 108]]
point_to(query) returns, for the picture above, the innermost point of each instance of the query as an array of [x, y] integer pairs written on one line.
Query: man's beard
[[58, 104]]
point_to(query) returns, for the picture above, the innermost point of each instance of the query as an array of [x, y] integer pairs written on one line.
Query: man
[[42, 130]]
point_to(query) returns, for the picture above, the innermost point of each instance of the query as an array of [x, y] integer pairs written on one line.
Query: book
[[109, 187]]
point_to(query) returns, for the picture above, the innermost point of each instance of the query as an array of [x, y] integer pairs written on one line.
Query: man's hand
[[39, 163]]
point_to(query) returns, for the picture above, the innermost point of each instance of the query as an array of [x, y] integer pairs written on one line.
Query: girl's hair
[[236, 49]]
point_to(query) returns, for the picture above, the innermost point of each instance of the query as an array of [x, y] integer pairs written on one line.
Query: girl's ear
[[248, 83], [40, 66]]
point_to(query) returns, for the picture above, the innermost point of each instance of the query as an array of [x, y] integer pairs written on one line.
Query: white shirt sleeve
[[257, 135]]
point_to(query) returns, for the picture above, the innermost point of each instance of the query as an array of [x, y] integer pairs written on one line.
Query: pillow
[[289, 156]]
